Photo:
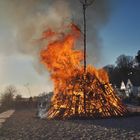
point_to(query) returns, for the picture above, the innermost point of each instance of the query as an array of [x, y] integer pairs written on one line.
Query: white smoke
[[26, 20]]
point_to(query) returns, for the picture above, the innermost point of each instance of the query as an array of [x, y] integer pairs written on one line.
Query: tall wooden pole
[[84, 15], [85, 4]]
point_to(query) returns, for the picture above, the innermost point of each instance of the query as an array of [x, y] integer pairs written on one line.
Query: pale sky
[[113, 29]]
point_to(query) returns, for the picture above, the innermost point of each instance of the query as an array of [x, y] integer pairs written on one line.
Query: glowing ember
[[71, 82]]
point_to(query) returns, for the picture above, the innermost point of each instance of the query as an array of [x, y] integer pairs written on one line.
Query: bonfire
[[78, 92]]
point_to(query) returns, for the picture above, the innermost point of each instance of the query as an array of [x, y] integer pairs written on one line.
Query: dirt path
[[5, 115], [24, 126]]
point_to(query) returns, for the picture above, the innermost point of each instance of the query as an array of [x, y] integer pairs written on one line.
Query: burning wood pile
[[77, 93]]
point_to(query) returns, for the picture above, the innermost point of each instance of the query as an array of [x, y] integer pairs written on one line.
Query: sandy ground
[[5, 115], [23, 125]]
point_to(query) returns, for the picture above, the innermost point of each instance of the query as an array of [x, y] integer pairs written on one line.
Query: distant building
[[129, 89], [122, 86]]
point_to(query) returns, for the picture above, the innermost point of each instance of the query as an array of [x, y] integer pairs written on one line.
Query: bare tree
[[124, 61], [7, 98], [138, 58]]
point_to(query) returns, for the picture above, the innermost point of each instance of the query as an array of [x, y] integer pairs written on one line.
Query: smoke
[[98, 15], [25, 21]]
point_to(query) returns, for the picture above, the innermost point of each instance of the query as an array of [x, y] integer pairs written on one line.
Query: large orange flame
[[64, 62]]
